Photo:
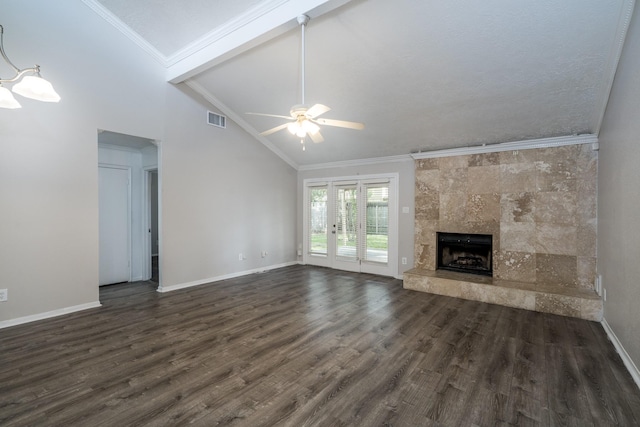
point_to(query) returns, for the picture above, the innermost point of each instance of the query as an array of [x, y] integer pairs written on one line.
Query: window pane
[[377, 220], [318, 221], [346, 222]]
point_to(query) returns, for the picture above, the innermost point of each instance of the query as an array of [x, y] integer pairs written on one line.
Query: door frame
[[146, 234], [391, 268]]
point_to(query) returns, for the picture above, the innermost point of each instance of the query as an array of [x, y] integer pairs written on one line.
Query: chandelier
[[31, 86]]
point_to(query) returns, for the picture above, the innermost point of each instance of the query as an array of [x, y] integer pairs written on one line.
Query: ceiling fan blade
[[341, 123], [317, 110], [316, 137], [274, 130], [270, 115]]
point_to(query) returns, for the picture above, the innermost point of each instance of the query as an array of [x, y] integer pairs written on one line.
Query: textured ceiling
[[420, 75], [170, 25]]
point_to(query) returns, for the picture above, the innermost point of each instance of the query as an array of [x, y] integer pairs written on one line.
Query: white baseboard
[[626, 359], [223, 277], [48, 314]]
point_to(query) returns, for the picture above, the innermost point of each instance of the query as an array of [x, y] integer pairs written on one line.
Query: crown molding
[[126, 31], [232, 115], [359, 162], [510, 146], [626, 12]]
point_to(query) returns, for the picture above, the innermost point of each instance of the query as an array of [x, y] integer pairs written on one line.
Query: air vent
[[217, 120]]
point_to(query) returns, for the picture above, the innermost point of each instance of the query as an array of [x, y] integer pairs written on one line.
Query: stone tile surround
[[572, 302], [539, 205]]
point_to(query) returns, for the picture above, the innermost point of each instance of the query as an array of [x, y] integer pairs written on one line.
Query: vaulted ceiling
[[421, 75]]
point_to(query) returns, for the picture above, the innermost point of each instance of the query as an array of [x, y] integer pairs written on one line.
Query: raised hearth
[[572, 302]]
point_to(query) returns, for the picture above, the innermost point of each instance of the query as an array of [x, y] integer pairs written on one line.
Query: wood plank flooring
[[307, 346]]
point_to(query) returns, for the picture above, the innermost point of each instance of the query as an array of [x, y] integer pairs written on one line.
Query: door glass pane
[[346, 222], [318, 221], [377, 221]]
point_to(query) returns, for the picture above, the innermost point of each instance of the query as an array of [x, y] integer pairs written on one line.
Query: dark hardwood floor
[[305, 346]]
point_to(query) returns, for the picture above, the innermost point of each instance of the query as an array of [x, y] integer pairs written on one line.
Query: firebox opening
[[467, 253]]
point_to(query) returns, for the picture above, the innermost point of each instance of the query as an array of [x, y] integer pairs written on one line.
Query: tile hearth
[[572, 302]]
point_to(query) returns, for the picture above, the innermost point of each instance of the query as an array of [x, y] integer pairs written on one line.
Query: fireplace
[[465, 253]]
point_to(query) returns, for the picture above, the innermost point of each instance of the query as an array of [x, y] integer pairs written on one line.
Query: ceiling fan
[[304, 119]]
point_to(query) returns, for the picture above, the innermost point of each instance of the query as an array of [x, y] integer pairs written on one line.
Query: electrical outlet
[[404, 260], [4, 295], [240, 257], [263, 254]]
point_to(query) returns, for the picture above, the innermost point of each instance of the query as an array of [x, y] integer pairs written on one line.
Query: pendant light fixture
[[31, 86]]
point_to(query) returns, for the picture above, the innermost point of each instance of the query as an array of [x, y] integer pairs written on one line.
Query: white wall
[[406, 189], [222, 194], [49, 154], [619, 198]]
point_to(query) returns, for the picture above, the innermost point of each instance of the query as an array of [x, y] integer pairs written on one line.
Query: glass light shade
[[7, 100], [310, 127], [296, 129], [37, 88]]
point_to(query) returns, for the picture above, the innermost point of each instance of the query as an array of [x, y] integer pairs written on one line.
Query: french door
[[351, 224]]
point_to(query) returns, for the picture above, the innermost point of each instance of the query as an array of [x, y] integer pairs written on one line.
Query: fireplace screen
[[467, 253]]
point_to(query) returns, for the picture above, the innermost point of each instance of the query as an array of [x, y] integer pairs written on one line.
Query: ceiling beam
[[249, 30]]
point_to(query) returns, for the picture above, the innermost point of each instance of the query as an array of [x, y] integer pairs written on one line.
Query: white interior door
[[114, 196]]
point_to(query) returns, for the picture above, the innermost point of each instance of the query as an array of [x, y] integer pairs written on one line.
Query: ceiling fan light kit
[[305, 119]]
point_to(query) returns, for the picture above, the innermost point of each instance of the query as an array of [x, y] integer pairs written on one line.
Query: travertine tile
[[556, 239], [586, 272], [518, 177], [518, 156], [483, 179], [560, 270], [453, 162], [424, 256], [425, 229], [427, 181], [511, 298], [453, 180], [517, 207], [558, 304], [539, 205], [518, 237], [483, 207], [570, 302], [586, 207], [424, 164], [591, 309], [516, 266], [557, 168], [586, 239], [556, 208], [453, 207], [484, 159], [427, 205]]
